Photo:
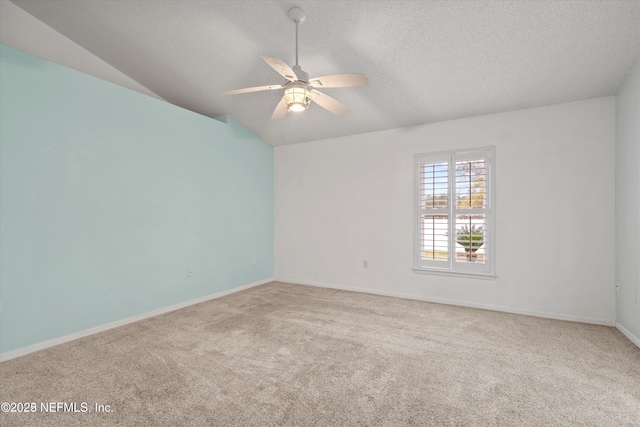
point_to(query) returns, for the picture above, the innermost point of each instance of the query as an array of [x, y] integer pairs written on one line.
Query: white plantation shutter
[[455, 213], [434, 211]]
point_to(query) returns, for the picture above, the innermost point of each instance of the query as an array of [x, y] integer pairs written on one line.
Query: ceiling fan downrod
[[298, 16]]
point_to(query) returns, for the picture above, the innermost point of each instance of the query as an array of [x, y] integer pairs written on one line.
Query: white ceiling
[[23, 31], [426, 61]]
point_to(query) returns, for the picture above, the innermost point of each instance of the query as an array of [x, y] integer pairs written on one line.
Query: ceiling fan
[[299, 89]]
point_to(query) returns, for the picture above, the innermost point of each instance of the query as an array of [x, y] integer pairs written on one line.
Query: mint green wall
[[107, 196]]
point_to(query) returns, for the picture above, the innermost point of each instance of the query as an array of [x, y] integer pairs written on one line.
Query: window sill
[[484, 276]]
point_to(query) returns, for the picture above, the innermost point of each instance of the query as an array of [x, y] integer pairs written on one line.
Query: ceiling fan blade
[[340, 80], [328, 103], [281, 67], [253, 89], [280, 111]]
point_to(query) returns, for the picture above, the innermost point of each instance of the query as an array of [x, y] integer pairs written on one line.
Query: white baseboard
[[627, 333], [12, 354], [535, 313]]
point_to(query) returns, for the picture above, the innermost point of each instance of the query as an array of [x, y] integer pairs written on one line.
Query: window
[[455, 213]]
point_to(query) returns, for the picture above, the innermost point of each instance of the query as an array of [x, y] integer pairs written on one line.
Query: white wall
[[628, 203], [341, 201]]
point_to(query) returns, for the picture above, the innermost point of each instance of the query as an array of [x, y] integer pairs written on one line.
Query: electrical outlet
[[254, 260], [365, 264], [635, 296], [189, 271]]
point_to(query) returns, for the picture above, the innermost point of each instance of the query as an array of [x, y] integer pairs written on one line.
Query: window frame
[[451, 266]]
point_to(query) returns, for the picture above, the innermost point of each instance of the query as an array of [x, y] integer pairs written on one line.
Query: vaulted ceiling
[[426, 61]]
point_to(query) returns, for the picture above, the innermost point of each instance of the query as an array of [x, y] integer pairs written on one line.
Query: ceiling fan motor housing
[[301, 75]]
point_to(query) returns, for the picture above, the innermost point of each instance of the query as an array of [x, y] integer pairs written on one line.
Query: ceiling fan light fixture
[[297, 97]]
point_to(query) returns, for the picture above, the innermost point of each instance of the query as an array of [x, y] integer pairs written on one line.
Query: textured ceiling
[[426, 61]]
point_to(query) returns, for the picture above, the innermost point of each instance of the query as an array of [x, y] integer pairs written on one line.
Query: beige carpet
[[282, 354]]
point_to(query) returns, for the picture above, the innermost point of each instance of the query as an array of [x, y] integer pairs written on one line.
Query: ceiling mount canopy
[[299, 90]]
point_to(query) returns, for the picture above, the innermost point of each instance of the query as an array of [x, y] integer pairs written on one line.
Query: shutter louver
[[434, 223], [470, 210]]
